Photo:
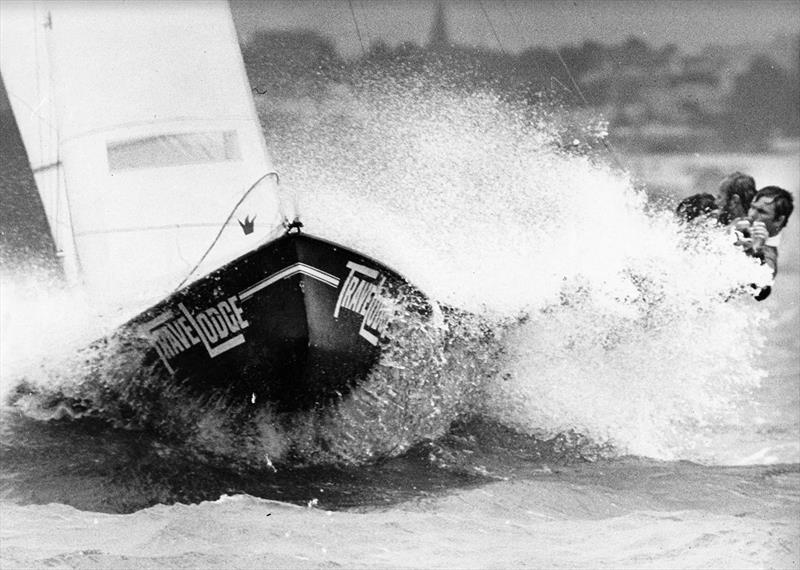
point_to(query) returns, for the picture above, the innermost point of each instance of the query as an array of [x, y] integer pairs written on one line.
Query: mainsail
[[142, 135]]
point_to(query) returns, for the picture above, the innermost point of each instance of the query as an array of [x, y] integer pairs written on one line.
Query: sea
[[613, 396]]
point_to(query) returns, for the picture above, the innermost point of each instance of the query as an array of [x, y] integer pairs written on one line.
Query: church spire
[[438, 38]]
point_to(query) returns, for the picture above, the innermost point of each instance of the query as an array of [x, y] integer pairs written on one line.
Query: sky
[[517, 24]]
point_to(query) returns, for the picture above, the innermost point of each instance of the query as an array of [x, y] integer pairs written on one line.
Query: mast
[[26, 64]]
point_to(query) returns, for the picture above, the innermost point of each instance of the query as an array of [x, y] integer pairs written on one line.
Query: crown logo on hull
[[247, 225]]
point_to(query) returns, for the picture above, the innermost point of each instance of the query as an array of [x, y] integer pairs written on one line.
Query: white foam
[[631, 331], [635, 335]]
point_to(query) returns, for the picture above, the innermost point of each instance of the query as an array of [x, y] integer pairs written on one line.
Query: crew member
[[734, 195], [695, 206], [759, 233]]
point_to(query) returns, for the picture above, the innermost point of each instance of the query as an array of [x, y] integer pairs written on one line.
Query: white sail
[[141, 130]]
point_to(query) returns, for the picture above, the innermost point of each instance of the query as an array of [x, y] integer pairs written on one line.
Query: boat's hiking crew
[[734, 195], [756, 217], [696, 205], [758, 234], [732, 200]]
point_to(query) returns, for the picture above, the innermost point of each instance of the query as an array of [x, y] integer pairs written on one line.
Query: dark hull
[[292, 324]]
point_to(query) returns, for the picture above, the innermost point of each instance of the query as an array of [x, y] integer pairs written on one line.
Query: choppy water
[[616, 402]]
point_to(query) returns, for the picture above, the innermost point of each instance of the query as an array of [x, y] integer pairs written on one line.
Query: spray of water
[[613, 321], [570, 307], [42, 322]]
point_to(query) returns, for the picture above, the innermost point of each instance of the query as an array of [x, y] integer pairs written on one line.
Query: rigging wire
[[49, 127], [491, 26], [366, 23], [358, 31], [604, 139], [224, 225], [256, 183], [578, 90]]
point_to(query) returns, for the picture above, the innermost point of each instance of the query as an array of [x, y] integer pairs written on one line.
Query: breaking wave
[[574, 306], [608, 317]]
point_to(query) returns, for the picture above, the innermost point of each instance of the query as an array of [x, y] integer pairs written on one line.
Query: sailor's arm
[[769, 256]]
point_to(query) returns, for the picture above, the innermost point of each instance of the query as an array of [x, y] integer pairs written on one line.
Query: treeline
[[657, 97]]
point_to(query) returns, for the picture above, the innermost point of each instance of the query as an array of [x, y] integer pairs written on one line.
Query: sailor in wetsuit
[[759, 233]]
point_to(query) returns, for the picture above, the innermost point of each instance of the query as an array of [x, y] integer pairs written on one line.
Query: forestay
[[142, 134]]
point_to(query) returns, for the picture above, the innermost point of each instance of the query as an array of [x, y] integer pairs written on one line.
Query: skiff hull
[[293, 324]]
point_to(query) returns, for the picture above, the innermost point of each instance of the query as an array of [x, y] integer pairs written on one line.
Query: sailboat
[[146, 148]]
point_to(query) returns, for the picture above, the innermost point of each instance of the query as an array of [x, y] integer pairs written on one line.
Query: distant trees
[[637, 87], [763, 103], [291, 62]]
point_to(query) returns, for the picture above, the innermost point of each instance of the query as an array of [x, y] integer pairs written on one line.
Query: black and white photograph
[[399, 284]]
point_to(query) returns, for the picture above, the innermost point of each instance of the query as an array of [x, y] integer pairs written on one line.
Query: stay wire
[[491, 27], [358, 31], [578, 90], [366, 24], [224, 225]]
